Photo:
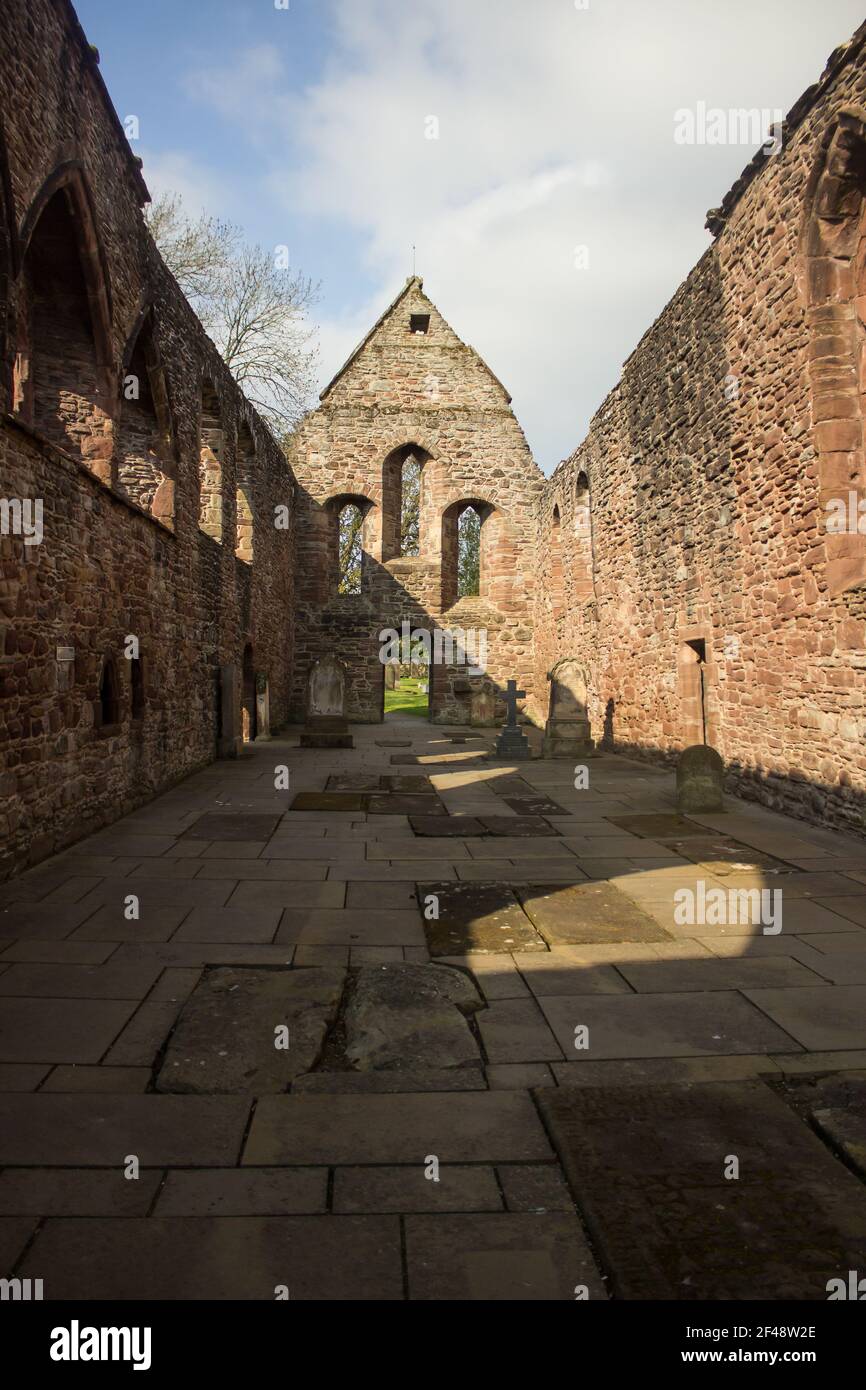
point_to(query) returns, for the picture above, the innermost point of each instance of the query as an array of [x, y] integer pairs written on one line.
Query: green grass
[[406, 698]]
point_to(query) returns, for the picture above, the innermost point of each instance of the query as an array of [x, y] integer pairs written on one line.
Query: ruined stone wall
[[433, 393], [122, 552], [711, 465]]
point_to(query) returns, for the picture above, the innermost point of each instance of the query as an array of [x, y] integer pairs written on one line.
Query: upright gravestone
[[700, 779], [512, 743], [566, 733], [326, 725], [482, 705], [390, 675]]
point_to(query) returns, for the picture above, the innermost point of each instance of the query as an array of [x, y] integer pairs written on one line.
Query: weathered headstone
[[482, 706], [700, 779], [512, 743], [390, 676], [566, 733], [326, 725], [263, 708]]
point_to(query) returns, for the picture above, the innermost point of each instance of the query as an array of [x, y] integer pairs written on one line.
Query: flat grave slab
[[510, 1256], [232, 825], [584, 913], [224, 1040], [646, 1166], [456, 826], [535, 806], [661, 826], [524, 826], [397, 804], [484, 917]]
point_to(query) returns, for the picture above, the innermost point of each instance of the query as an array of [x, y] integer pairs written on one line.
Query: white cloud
[[555, 130]]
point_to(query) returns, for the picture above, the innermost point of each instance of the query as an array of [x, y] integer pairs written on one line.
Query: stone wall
[[719, 603], [427, 394], [103, 365]]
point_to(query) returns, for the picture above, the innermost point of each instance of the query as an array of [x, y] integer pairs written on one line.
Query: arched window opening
[[211, 453], [584, 578], [108, 708], [245, 524], [467, 529], [144, 432], [136, 674], [403, 502], [60, 372], [555, 574], [350, 539]]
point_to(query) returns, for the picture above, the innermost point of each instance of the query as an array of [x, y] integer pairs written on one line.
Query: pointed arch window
[[144, 438], [245, 496], [211, 454]]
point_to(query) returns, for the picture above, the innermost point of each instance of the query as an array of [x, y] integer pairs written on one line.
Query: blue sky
[[309, 126]]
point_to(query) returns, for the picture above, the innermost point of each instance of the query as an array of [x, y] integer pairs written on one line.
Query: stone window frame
[[334, 507], [584, 549], [831, 276], [392, 497], [688, 690], [163, 509], [211, 519], [245, 493], [69, 179], [449, 522], [108, 672], [556, 563]]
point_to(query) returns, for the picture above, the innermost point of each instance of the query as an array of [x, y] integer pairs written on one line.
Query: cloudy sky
[[310, 126]]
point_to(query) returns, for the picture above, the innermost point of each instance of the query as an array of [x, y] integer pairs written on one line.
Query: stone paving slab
[[224, 1041], [15, 1232], [99, 1131], [367, 1083], [745, 973], [845, 1132], [352, 926], [587, 913], [820, 1019], [120, 981], [329, 801], [646, 1167], [408, 1189], [536, 1188], [60, 1030], [230, 924], [476, 918], [664, 1025], [76, 1191], [513, 1030], [104, 1079], [144, 1036], [478, 1127], [558, 973], [288, 895], [34, 921], [513, 1257], [264, 870], [57, 952], [191, 1258], [20, 1077], [243, 1192]]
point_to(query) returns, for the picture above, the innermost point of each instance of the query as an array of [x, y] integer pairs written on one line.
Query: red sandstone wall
[[708, 513], [434, 392], [105, 568]]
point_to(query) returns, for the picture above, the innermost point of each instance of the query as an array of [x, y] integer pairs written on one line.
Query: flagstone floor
[[219, 1077]]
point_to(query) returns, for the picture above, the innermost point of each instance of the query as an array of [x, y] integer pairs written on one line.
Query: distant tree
[[468, 553], [351, 550], [254, 309], [410, 510]]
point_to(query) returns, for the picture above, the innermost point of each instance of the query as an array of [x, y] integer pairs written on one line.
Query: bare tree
[[254, 309]]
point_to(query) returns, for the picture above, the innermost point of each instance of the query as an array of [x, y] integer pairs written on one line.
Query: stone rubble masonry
[[737, 417], [122, 552], [431, 394]]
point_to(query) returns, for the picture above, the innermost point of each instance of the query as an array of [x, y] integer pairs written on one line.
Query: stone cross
[[512, 695]]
